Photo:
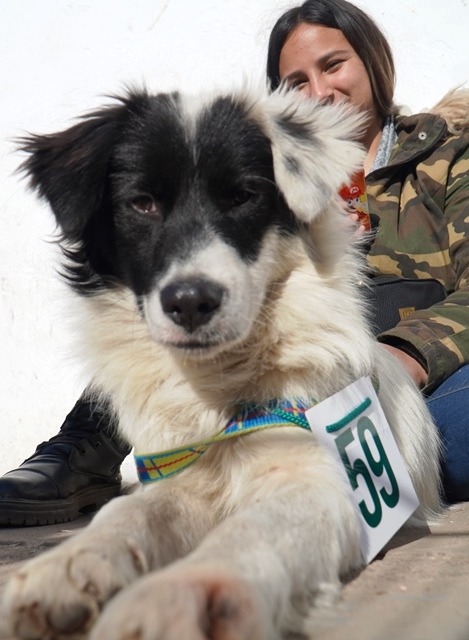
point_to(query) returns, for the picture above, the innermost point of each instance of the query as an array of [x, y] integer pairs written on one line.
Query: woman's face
[[320, 63]]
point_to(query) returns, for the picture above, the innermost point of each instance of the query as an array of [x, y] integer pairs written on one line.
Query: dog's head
[[187, 202]]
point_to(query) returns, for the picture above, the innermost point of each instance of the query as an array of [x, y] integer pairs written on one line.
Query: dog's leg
[[61, 593], [254, 577]]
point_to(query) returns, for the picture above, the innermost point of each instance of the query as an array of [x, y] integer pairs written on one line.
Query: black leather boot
[[73, 473]]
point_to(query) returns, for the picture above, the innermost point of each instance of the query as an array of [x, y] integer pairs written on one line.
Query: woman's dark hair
[[360, 31]]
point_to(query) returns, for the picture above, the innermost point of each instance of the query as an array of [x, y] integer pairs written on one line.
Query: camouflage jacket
[[421, 199]]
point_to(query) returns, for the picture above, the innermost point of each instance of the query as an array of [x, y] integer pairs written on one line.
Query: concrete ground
[[417, 589]]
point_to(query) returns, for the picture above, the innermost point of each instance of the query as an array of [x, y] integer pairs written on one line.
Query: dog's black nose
[[191, 303]]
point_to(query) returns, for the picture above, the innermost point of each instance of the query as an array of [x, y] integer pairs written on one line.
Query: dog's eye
[[238, 197], [144, 203]]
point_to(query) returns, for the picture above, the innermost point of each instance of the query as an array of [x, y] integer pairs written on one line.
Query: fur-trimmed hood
[[454, 108]]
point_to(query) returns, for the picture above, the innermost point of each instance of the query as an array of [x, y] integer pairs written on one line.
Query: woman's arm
[[434, 343]]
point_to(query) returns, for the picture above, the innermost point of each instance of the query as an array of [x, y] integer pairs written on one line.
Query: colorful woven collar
[[277, 413]]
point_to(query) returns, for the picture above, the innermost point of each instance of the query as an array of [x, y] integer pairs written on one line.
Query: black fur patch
[[138, 184], [293, 128], [292, 165]]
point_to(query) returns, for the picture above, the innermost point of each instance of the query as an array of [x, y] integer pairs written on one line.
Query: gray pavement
[[417, 589]]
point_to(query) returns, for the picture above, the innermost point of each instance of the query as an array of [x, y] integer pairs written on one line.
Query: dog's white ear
[[314, 150]]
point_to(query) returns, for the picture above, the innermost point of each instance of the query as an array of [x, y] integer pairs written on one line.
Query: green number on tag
[[359, 468], [378, 466], [373, 518]]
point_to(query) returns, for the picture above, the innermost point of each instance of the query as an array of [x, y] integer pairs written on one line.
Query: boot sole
[[32, 513]]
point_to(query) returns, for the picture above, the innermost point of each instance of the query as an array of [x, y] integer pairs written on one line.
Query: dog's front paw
[[61, 593], [199, 603]]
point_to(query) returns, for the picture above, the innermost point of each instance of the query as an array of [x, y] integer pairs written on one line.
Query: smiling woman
[[334, 53], [417, 182], [319, 62], [357, 37]]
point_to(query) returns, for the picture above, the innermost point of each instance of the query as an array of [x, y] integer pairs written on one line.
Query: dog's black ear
[[69, 168], [314, 150]]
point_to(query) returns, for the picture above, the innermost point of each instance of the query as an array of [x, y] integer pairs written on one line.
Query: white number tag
[[352, 426]]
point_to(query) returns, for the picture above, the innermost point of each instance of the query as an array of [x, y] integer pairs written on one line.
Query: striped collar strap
[[277, 413]]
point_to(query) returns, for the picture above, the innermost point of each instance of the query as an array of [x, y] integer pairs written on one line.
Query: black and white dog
[[206, 241]]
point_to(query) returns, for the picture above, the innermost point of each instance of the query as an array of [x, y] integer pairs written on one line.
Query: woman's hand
[[412, 366], [353, 219]]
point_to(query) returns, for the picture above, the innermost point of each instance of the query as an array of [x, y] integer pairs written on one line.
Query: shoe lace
[[82, 423]]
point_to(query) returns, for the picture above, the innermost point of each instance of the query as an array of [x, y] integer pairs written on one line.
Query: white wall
[[57, 59]]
